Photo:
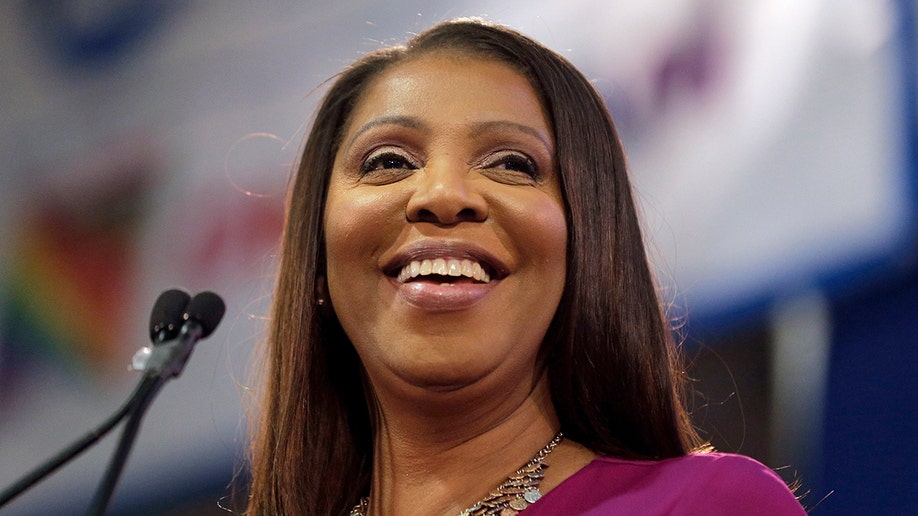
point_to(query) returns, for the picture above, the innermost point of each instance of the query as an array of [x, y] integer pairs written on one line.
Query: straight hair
[[611, 360]]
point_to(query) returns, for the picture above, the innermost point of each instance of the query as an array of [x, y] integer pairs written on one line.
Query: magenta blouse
[[702, 483]]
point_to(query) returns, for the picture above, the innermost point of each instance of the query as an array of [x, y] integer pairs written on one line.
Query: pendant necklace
[[516, 493]]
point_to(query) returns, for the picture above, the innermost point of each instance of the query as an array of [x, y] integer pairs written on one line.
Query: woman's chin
[[442, 379]]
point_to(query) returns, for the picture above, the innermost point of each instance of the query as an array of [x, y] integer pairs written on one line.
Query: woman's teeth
[[443, 267]]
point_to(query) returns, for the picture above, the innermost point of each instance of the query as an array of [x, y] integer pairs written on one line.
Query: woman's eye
[[387, 161], [515, 163]]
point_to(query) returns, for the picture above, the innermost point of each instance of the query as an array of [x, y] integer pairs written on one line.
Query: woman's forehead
[[449, 88]]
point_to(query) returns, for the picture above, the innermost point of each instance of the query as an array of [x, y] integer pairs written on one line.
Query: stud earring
[[321, 292]]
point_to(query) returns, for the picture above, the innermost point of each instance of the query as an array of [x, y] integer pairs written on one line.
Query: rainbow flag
[[69, 283]]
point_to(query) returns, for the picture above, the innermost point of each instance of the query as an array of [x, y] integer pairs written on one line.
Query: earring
[[321, 290]]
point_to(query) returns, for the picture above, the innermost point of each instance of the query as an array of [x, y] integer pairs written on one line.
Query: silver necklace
[[516, 493]]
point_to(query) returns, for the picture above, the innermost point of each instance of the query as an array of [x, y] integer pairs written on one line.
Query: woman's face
[[445, 226]]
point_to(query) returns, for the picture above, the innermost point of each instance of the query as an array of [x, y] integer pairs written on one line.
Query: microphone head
[[166, 318], [207, 309]]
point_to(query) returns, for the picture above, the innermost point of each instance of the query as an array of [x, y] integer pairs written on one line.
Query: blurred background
[[146, 144]]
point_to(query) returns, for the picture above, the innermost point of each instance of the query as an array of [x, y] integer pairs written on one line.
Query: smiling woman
[[465, 320], [436, 174]]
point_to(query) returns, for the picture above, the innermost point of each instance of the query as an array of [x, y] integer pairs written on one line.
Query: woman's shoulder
[[709, 483], [714, 482], [705, 465]]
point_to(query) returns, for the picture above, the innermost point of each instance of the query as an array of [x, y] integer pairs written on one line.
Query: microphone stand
[[78, 446], [119, 457], [166, 362]]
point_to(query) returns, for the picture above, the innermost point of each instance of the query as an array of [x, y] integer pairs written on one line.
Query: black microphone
[[205, 309], [167, 360], [199, 319], [164, 323], [166, 318], [176, 324]]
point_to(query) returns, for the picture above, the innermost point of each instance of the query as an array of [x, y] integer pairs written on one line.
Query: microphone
[[177, 322], [166, 318], [167, 360], [206, 310], [198, 321], [165, 322]]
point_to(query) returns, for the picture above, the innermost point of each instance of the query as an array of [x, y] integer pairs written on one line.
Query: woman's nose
[[445, 196]]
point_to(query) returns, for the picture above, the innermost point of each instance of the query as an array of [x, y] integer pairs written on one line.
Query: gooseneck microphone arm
[[176, 325], [166, 362], [128, 436], [164, 323], [67, 454]]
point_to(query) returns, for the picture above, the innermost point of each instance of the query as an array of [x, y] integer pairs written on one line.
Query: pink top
[[703, 483]]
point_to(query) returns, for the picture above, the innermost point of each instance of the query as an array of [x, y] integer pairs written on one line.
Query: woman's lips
[[442, 297], [436, 275]]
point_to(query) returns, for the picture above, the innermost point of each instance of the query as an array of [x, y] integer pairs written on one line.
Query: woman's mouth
[[445, 271], [444, 276]]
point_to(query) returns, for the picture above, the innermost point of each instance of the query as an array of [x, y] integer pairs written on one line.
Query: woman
[[464, 318]]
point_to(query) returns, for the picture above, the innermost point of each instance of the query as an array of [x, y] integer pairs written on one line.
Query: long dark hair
[[609, 350]]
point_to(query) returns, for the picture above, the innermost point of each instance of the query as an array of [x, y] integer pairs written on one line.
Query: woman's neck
[[443, 460]]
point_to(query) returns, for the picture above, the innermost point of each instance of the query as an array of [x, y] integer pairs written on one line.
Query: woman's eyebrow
[[492, 125], [400, 120]]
